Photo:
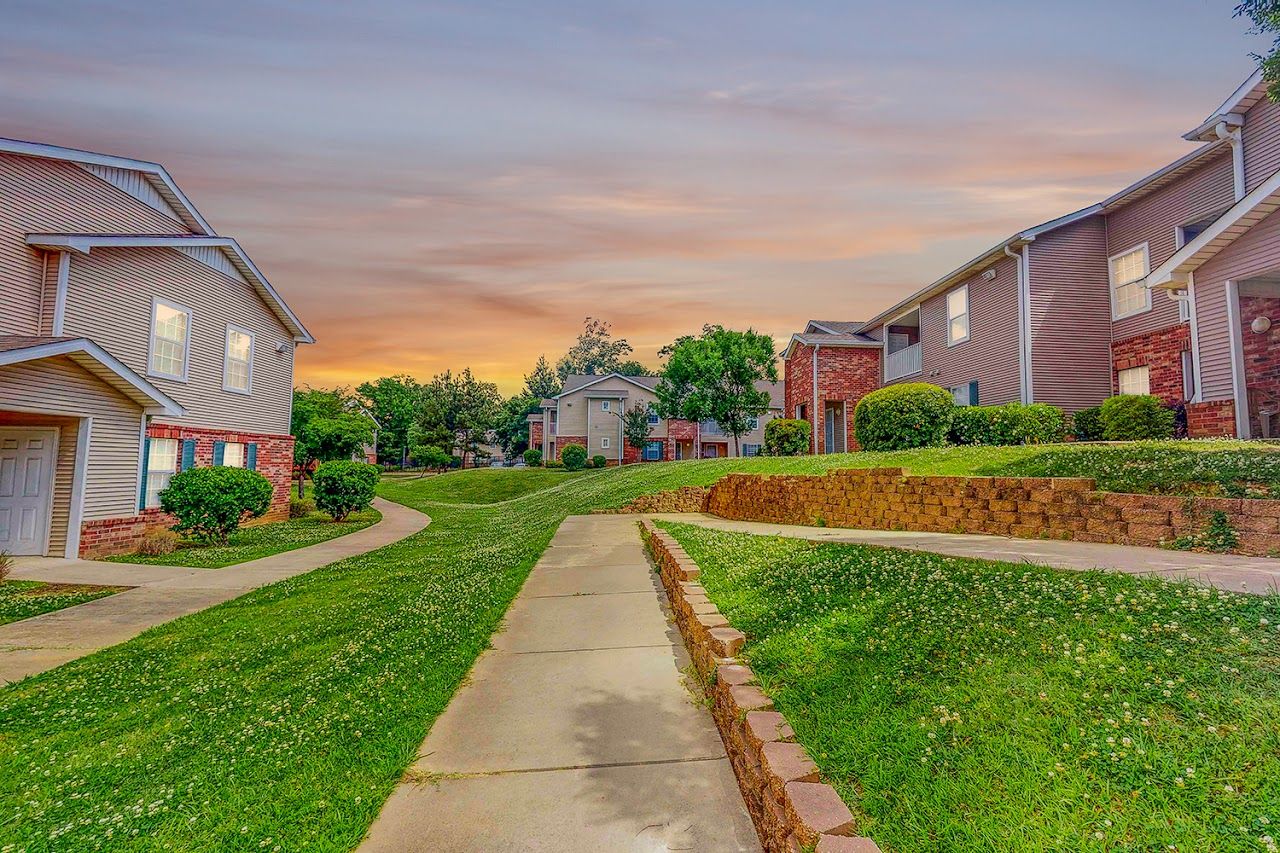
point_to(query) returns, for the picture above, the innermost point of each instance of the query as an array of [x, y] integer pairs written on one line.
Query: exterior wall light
[[1261, 325]]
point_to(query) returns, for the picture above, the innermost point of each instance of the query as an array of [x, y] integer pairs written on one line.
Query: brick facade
[[563, 441], [1161, 352], [1261, 362], [535, 435], [104, 537], [1214, 419], [844, 373]]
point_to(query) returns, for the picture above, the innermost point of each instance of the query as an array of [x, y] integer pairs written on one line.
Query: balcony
[[710, 428], [903, 362]]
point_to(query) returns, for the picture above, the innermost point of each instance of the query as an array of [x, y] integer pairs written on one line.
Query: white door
[[26, 489]]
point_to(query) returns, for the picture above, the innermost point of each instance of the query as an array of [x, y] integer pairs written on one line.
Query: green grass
[[24, 599], [971, 705], [263, 540], [490, 485], [286, 716]]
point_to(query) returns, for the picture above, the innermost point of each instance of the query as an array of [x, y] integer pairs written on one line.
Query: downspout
[[814, 415], [1021, 263], [1189, 296], [1233, 137]]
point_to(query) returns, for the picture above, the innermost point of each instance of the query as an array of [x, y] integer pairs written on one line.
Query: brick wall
[[104, 537], [1214, 419], [844, 373], [1160, 351], [1261, 360], [1026, 507], [535, 435], [562, 441]]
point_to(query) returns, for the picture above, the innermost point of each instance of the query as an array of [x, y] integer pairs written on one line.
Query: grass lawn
[[262, 540], [972, 705], [285, 717], [490, 485], [24, 599]]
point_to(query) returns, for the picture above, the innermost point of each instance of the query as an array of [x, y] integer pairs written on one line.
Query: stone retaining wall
[[1024, 507], [790, 805], [683, 499]]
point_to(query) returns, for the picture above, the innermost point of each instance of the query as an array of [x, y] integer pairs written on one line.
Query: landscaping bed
[[972, 705], [24, 599]]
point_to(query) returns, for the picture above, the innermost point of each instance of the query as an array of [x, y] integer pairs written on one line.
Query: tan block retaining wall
[[790, 805]]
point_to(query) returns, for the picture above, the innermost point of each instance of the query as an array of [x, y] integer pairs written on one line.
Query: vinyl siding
[[1154, 220], [990, 355], [1261, 136], [55, 196], [1070, 316], [60, 385], [1253, 254], [109, 300]]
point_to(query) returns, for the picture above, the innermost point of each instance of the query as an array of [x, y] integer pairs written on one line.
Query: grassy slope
[[24, 599], [286, 716], [490, 485], [262, 540], [972, 705]]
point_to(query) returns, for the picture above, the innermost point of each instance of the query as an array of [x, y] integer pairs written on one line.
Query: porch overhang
[[19, 349]]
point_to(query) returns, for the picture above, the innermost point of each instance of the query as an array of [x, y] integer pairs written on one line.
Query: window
[[604, 443], [237, 370], [162, 463], [1135, 380], [652, 451], [604, 405], [233, 455], [170, 340], [800, 413], [750, 450], [966, 394], [653, 416], [958, 315], [753, 424], [1128, 293]]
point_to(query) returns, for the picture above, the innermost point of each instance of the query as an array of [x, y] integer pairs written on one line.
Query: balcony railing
[[711, 428], [904, 362]]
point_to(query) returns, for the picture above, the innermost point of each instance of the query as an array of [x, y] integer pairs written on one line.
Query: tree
[[595, 352], [543, 382], [324, 428], [1265, 15], [635, 426], [631, 367], [512, 425], [456, 413], [393, 401], [713, 377]]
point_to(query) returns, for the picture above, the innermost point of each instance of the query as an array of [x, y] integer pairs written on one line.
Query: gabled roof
[[1231, 110], [154, 173], [1225, 230], [830, 340], [17, 349], [83, 243], [576, 382], [833, 327]]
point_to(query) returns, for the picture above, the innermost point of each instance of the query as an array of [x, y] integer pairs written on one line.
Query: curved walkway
[[1260, 575], [163, 593]]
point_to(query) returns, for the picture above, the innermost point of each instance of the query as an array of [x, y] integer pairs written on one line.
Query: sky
[[435, 185]]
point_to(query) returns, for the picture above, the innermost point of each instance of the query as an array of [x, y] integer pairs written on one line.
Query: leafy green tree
[[434, 459], [595, 352], [511, 429], [543, 381], [393, 401], [324, 428], [456, 413], [1265, 15], [631, 367], [713, 377], [635, 426]]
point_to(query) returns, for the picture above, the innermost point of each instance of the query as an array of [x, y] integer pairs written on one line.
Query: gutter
[[1022, 263]]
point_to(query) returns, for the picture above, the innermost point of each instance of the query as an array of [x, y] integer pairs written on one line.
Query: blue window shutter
[[218, 448], [973, 393], [188, 455], [142, 492], [251, 456]]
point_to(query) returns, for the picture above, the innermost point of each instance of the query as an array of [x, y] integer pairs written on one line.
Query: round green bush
[[900, 417], [599, 461], [301, 507], [1086, 424], [574, 457], [1134, 417], [343, 487], [210, 503], [434, 458], [533, 457], [786, 437]]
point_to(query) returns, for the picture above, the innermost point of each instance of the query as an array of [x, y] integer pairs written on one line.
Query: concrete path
[[1225, 571], [575, 732], [163, 593]]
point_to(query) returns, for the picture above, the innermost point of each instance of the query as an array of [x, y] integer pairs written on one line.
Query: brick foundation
[[105, 537], [1161, 352], [1214, 419], [844, 373], [790, 805]]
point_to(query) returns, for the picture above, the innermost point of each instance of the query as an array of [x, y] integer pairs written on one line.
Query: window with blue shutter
[[973, 393], [251, 456], [188, 454], [142, 491], [653, 451], [219, 447]]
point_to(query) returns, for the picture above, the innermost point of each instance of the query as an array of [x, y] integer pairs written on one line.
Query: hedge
[[1134, 417], [210, 503], [343, 487], [786, 437], [574, 457], [900, 417]]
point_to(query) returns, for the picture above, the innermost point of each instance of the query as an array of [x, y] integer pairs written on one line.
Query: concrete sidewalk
[[1224, 571], [575, 732], [163, 593]]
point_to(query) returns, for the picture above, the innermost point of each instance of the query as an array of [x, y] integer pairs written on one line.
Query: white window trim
[[1120, 382], [1111, 280], [226, 359], [604, 442], [604, 405], [156, 301], [968, 315]]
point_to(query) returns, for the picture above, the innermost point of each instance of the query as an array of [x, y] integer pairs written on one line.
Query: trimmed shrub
[[343, 487], [158, 544], [1086, 424], [210, 503], [301, 507], [533, 457], [599, 461], [434, 459], [574, 457], [1009, 424], [1134, 417], [972, 425], [554, 463], [900, 417], [1040, 423], [786, 437]]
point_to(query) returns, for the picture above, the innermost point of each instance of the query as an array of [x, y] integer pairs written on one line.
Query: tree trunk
[[737, 448], [302, 476]]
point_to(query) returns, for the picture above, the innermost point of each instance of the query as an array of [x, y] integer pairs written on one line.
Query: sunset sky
[[434, 185]]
